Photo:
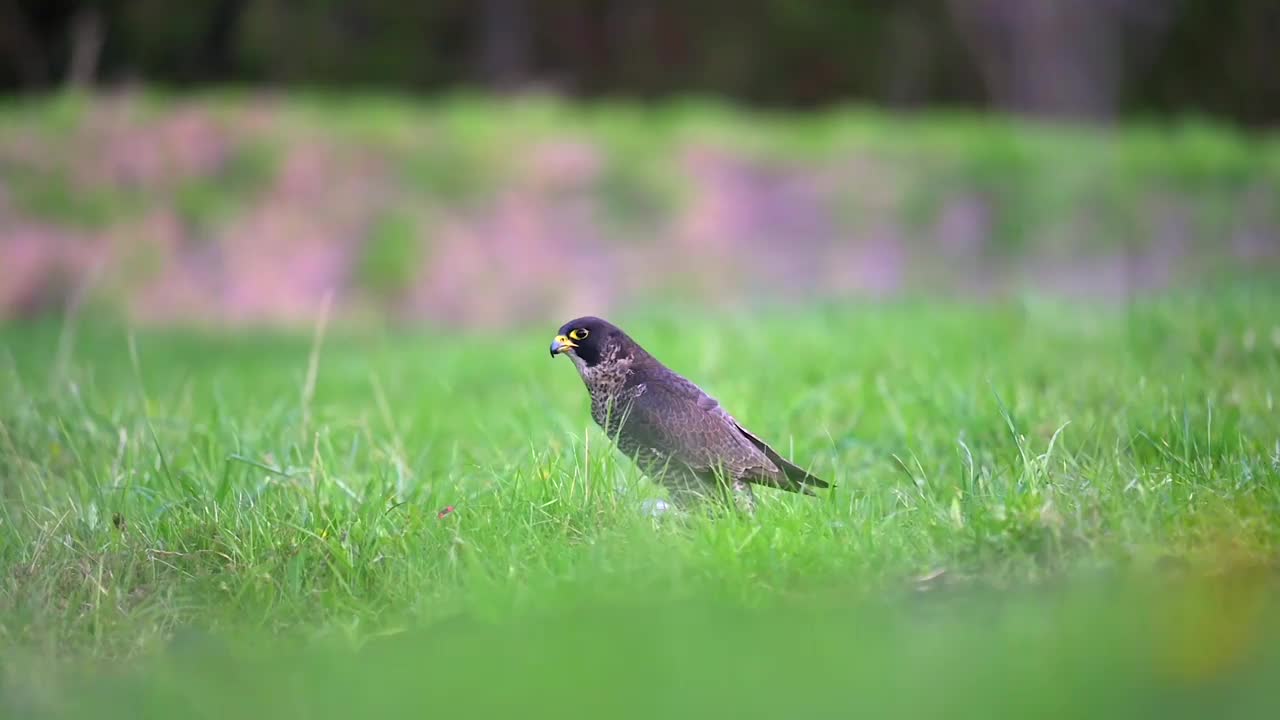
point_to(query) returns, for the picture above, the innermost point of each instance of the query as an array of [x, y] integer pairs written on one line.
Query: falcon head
[[590, 340]]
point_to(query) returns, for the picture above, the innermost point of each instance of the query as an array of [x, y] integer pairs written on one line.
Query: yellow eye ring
[[578, 334]]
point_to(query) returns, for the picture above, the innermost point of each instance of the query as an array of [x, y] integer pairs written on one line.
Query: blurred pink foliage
[[537, 241]]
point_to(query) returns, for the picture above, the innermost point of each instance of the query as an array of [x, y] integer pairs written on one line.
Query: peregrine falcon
[[675, 433]]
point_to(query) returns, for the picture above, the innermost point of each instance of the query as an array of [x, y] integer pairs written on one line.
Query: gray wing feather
[[693, 431], [676, 416]]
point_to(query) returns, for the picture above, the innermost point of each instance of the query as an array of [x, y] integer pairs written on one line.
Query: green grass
[[248, 525]]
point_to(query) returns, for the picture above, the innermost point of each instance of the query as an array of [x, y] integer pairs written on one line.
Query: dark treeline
[[1081, 58]]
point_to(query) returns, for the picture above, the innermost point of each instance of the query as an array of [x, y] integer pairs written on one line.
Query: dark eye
[[578, 334]]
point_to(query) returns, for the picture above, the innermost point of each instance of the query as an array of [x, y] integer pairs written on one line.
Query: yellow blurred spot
[[1211, 627]]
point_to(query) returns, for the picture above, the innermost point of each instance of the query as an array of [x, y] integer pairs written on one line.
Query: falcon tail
[[799, 480], [803, 481]]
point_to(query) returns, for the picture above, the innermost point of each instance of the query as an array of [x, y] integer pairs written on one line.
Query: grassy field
[[1042, 510]]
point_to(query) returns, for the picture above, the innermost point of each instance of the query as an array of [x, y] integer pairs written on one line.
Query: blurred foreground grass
[[1184, 652], [1042, 509]]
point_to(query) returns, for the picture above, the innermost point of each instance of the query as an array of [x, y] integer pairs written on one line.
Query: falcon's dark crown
[[591, 336]]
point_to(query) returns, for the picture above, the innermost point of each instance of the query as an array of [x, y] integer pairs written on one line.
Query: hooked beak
[[561, 344]]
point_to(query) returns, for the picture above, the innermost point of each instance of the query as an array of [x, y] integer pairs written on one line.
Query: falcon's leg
[[742, 497], [725, 494], [686, 490], [689, 490]]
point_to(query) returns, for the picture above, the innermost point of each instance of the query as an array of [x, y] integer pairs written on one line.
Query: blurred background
[[489, 162]]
